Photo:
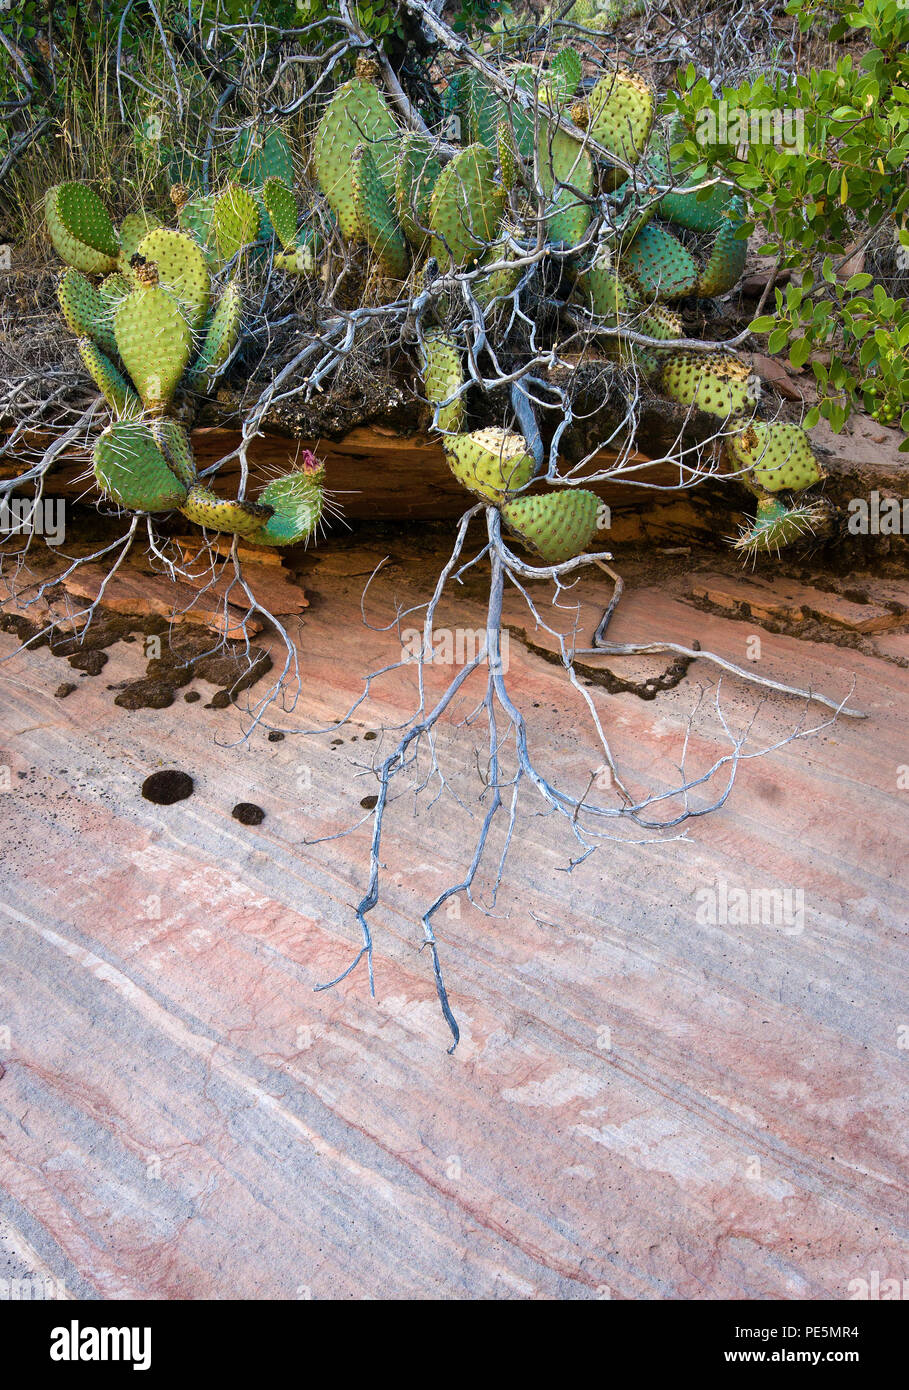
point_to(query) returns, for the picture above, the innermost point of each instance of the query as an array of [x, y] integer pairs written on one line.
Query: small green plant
[[822, 159]]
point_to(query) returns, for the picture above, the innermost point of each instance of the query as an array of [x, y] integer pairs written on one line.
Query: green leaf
[[858, 282], [798, 352]]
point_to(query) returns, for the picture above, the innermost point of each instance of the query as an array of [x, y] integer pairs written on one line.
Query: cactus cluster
[[496, 466], [394, 191], [150, 328], [140, 300]]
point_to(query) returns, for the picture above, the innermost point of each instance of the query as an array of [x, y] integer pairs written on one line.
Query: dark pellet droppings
[[164, 788], [192, 696], [275, 737], [63, 690], [248, 813], [369, 802]]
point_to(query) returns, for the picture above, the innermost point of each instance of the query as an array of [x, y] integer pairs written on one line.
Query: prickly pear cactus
[[376, 219], [417, 171], [778, 456], [222, 333], [442, 379], [620, 114], [297, 500], [357, 114], [777, 525], [718, 384], [80, 228], [87, 312], [131, 469], [659, 265], [465, 208], [490, 463], [182, 271], [555, 525], [215, 513], [153, 329], [236, 222], [148, 331], [281, 206], [112, 384], [154, 341]]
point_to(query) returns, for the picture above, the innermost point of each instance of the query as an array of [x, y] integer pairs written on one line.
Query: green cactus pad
[[509, 156], [717, 383], [86, 218], [480, 109], [606, 294], [197, 219], [416, 173], [70, 248], [660, 322], [621, 114], [130, 468], [172, 439], [656, 322], [378, 225], [298, 500], [221, 336], [697, 212], [497, 285], [776, 526], [133, 229], [566, 175], [181, 271], [258, 159], [659, 265], [565, 73], [779, 456], [465, 208], [301, 259], [442, 377], [87, 312], [112, 384], [115, 287], [556, 526], [629, 211], [357, 114], [205, 508], [490, 463], [236, 221], [281, 206], [725, 263], [154, 340]]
